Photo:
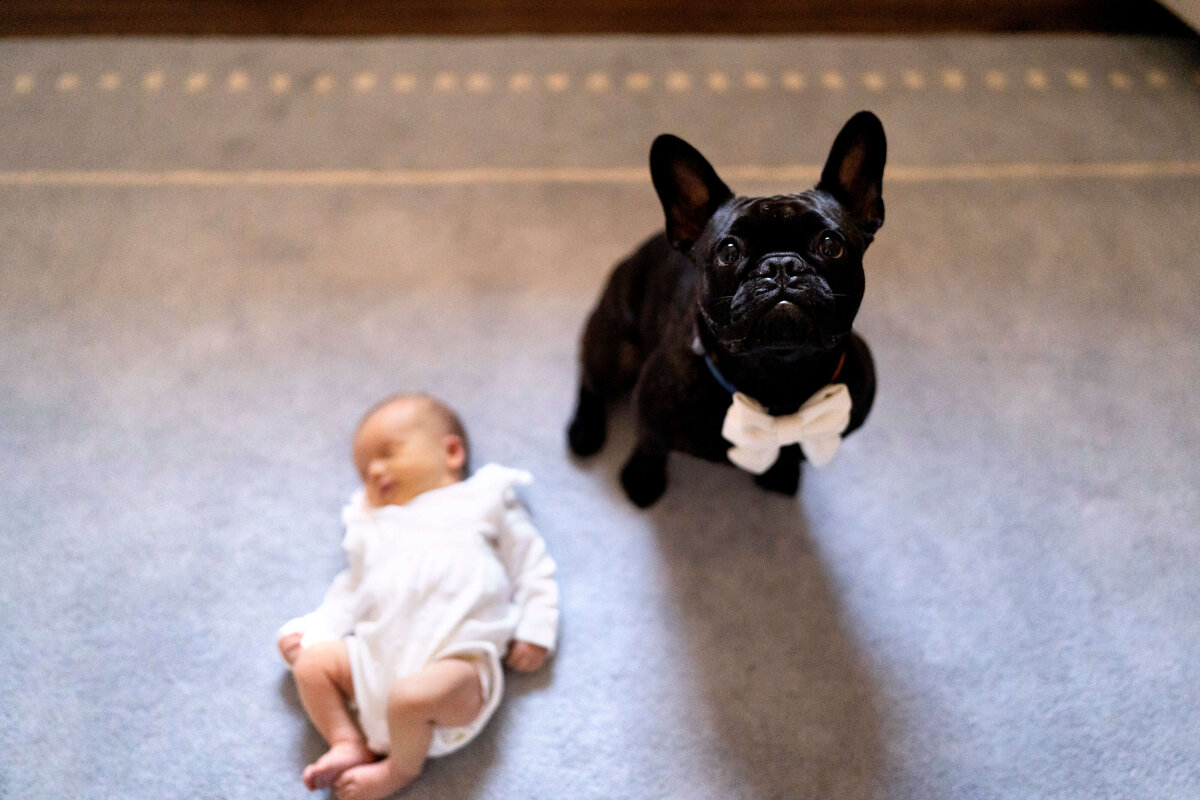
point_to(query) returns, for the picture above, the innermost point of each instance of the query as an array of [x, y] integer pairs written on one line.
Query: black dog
[[747, 295]]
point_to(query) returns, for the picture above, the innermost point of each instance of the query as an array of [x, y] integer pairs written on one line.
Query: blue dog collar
[[716, 373], [725, 383]]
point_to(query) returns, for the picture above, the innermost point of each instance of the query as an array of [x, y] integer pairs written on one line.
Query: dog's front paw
[[784, 474], [588, 427], [644, 478]]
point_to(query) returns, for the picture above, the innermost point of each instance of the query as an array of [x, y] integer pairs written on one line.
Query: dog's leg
[[784, 474], [609, 361], [589, 426], [645, 475]]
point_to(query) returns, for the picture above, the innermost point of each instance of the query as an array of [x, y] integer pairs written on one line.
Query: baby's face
[[402, 450]]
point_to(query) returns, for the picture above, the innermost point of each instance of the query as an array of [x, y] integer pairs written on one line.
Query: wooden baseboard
[[481, 17]]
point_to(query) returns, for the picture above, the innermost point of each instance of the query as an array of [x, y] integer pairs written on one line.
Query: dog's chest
[[698, 413]]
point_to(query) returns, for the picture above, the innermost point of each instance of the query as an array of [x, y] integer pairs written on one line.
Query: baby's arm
[[332, 620], [531, 569]]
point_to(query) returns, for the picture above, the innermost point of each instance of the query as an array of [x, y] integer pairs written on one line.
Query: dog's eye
[[729, 252], [831, 245]]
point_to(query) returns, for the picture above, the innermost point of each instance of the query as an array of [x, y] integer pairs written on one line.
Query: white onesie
[[457, 571]]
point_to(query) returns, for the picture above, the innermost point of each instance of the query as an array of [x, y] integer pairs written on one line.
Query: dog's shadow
[[779, 670]]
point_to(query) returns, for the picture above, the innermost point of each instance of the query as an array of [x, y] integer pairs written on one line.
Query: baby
[[446, 575]]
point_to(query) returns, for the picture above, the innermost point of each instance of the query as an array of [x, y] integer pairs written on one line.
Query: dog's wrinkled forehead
[[780, 218]]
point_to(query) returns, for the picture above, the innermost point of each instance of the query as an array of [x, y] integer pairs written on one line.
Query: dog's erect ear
[[688, 187], [854, 170]]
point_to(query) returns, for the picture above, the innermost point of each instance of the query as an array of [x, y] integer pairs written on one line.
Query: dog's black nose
[[784, 269]]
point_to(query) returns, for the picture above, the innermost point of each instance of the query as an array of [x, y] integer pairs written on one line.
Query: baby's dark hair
[[446, 415]]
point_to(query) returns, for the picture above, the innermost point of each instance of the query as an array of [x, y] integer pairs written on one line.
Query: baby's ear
[[456, 452]]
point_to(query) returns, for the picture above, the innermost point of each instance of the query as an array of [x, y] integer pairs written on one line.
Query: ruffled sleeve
[[531, 570], [334, 618]]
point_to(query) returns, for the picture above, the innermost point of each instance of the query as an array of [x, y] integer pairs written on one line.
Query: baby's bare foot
[[371, 781], [341, 756]]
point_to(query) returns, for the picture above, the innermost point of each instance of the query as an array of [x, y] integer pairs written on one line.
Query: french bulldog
[[742, 308]]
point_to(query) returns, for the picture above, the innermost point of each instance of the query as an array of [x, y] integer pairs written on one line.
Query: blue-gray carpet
[[215, 255]]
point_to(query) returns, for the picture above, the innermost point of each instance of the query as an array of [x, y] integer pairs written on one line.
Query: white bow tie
[[757, 436]]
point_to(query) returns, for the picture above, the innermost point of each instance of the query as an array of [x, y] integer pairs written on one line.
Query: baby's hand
[[526, 657], [289, 646]]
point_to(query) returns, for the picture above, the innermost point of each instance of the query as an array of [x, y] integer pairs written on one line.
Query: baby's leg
[[445, 693], [323, 679]]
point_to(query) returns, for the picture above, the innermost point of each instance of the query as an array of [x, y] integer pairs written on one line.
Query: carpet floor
[[214, 255]]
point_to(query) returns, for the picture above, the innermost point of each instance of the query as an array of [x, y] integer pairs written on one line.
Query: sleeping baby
[[447, 576]]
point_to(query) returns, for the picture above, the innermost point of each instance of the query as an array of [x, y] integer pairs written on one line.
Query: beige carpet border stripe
[[1110, 170]]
